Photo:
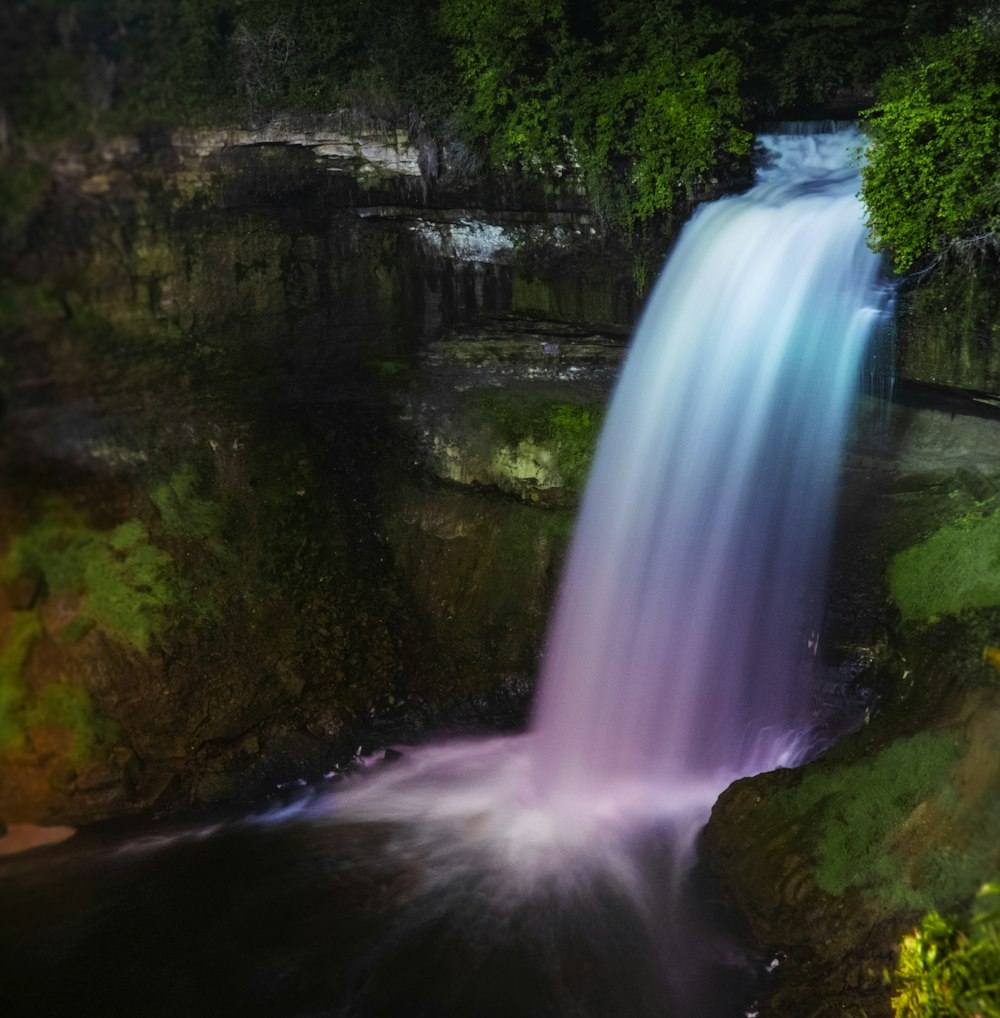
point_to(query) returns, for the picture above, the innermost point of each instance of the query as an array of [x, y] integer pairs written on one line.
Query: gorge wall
[[293, 427], [235, 381]]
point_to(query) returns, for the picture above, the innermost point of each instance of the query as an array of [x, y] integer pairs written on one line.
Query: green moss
[[60, 705], [950, 327], [25, 629], [530, 293], [569, 430], [68, 707], [122, 579], [184, 512], [575, 430], [957, 567], [858, 807], [586, 294], [483, 572], [126, 579], [75, 630]]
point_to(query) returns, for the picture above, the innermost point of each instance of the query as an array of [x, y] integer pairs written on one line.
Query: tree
[[932, 182], [644, 98]]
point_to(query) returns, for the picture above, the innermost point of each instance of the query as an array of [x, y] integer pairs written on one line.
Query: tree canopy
[[651, 101], [644, 99]]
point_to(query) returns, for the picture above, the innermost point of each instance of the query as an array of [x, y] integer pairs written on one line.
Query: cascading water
[[551, 874], [678, 657], [675, 657]]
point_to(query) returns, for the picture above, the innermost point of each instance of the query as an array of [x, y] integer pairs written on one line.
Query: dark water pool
[[304, 915]]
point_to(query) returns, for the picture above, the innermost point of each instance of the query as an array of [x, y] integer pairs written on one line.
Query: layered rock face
[[290, 446]]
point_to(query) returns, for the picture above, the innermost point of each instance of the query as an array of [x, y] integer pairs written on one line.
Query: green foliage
[[857, 807], [172, 56], [671, 120], [647, 109], [575, 430], [956, 567], [23, 631], [512, 57], [126, 63], [184, 512], [59, 705], [571, 430], [950, 968], [122, 580], [932, 183], [805, 50], [648, 100], [48, 85], [68, 707]]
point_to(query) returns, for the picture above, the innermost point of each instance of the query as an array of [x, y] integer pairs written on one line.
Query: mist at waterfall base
[[554, 872]]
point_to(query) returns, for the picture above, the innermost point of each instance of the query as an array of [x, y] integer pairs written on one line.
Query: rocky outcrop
[[255, 426], [950, 327], [293, 430], [359, 154], [833, 862], [515, 404]]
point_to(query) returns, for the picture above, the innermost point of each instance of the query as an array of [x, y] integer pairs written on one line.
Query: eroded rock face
[[224, 560], [516, 404], [295, 432], [950, 328]]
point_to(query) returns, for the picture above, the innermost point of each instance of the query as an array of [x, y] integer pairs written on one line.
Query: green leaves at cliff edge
[[932, 184], [643, 100]]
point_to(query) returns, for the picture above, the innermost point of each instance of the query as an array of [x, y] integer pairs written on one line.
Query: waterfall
[[675, 659], [678, 657], [552, 873]]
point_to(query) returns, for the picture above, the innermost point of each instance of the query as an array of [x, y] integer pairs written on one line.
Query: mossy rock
[[121, 578], [956, 567], [526, 441], [483, 572], [898, 818], [857, 810]]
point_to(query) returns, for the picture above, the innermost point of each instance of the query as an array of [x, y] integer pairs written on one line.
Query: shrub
[[950, 968], [932, 183]]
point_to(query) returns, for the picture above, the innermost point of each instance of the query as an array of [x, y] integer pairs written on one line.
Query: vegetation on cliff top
[[650, 101], [932, 183], [645, 99]]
